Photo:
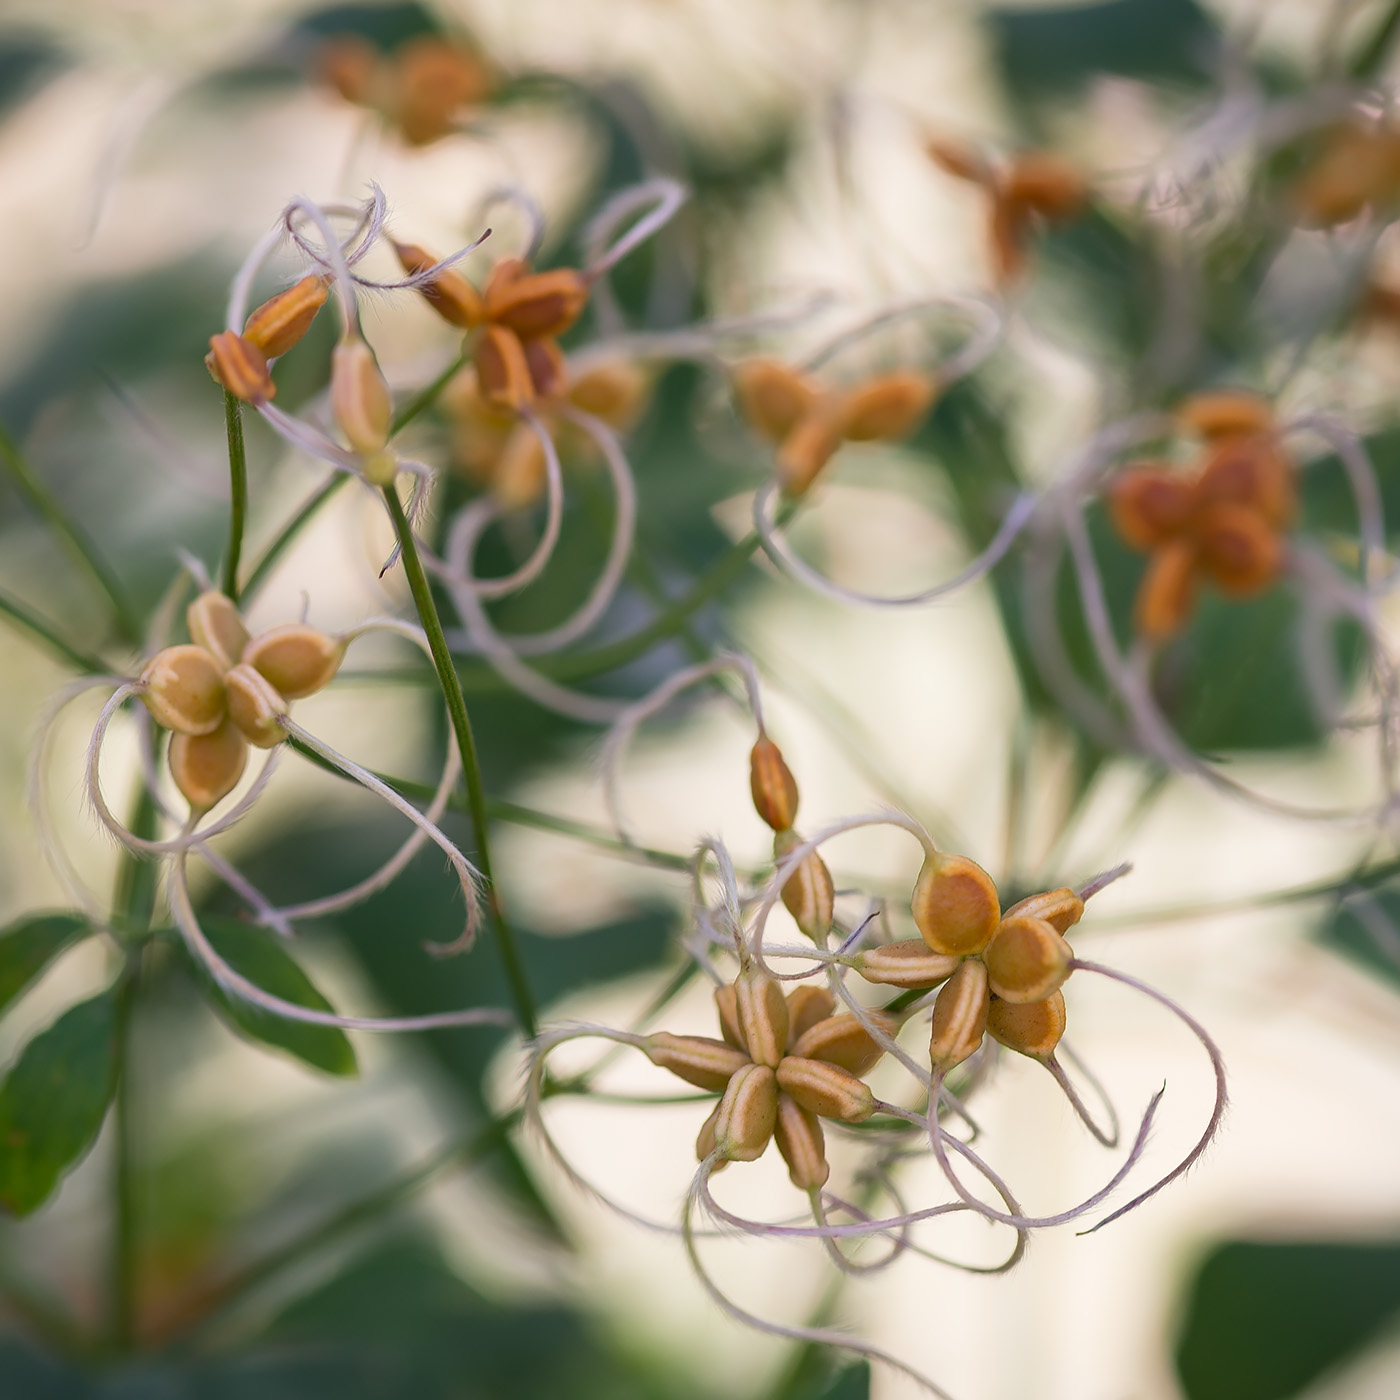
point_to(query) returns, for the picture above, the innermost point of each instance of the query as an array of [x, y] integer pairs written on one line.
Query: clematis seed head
[[183, 688]]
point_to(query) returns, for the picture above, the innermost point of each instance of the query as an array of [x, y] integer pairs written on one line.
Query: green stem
[[85, 553], [122, 1301], [1372, 55], [466, 744], [34, 624], [238, 491]]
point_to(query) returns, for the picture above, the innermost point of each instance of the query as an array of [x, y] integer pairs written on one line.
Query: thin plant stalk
[[35, 625], [238, 492]]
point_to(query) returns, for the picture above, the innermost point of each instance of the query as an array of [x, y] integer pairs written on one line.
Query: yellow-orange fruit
[[502, 369], [539, 303], [959, 1016], [909, 964], [1061, 908], [1149, 505], [802, 1143], [763, 1015], [772, 784], [955, 905], [240, 367], [727, 1005], [1027, 960], [297, 659], [747, 1114], [806, 450], [1167, 592], [215, 625], [772, 397], [1248, 471], [806, 1006], [886, 408], [808, 894], [842, 1041], [207, 767], [449, 293], [1226, 413], [281, 321], [1030, 1028], [255, 707], [1046, 184], [825, 1089], [360, 400], [183, 688], [1241, 553], [706, 1063]]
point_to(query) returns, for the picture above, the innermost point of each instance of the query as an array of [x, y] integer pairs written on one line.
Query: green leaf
[[1367, 934], [30, 944], [54, 1100], [260, 957]]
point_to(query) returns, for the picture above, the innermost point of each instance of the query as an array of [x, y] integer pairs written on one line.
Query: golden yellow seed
[[1027, 960], [240, 367], [826, 1090], [706, 1063], [538, 304], [959, 1016], [747, 1114], [281, 321], [297, 659], [502, 369], [255, 707], [802, 1143], [806, 1006], [773, 787], [614, 392], [1225, 413], [955, 905], [809, 893], [807, 449], [908, 963], [1032, 1028], [844, 1042], [1061, 909], [360, 400], [763, 1015], [772, 397], [184, 690], [887, 407], [216, 626], [207, 767]]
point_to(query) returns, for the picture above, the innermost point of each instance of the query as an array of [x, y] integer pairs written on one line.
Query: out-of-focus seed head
[[959, 159], [538, 304], [1167, 593], [349, 65], [806, 1006], [502, 368], [747, 1114], [826, 1089], [772, 397], [433, 81], [888, 407], [708, 1064], [809, 893], [842, 1041], [763, 1015], [1061, 909], [361, 403], [1150, 505], [959, 1016], [908, 964], [1252, 472], [772, 784], [449, 293], [614, 391], [216, 626], [1045, 184], [183, 688], [255, 707], [520, 475], [955, 905], [549, 374], [297, 659], [1030, 1028], [802, 1144], [1238, 550], [1027, 961], [806, 450], [281, 321], [1007, 235], [240, 367], [1221, 413], [207, 767], [1357, 166]]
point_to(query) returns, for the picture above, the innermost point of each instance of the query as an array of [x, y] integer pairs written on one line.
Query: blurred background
[[303, 1231]]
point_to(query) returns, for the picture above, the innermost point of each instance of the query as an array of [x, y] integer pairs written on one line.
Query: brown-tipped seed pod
[[955, 905], [1061, 909], [1252, 472], [549, 374], [614, 392], [448, 293], [1027, 960], [908, 963], [842, 1041], [959, 1016], [806, 1006], [706, 1063], [207, 767], [255, 707], [297, 659], [1046, 184], [763, 1015], [1149, 505], [747, 1114], [539, 303], [1167, 592], [240, 367], [215, 625], [1032, 1028], [183, 688], [887, 407], [727, 1005], [826, 1090], [1240, 552], [772, 397], [802, 1143], [360, 400], [772, 784], [1226, 413], [806, 450], [281, 321], [808, 894], [502, 369]]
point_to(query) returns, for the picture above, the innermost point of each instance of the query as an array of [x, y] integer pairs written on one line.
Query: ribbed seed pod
[[772, 397], [959, 1016], [955, 905], [1225, 413], [449, 293], [540, 303], [184, 690], [297, 659], [772, 784], [802, 1143], [747, 1114], [1031, 1028], [216, 626], [727, 1004], [1240, 552], [842, 1041], [1061, 908], [1149, 505], [207, 767], [763, 1015], [826, 1090], [1027, 960], [806, 450], [1167, 593], [502, 370], [281, 321], [806, 1006], [361, 403], [908, 964], [255, 707], [809, 893], [706, 1063], [888, 407], [240, 367]]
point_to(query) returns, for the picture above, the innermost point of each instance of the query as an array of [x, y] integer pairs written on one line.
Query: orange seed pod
[[772, 397], [802, 1143], [888, 407], [806, 450], [958, 159], [772, 784], [747, 1114], [183, 688], [240, 367], [449, 293], [1149, 505], [706, 1063], [1061, 909], [362, 405], [348, 65], [215, 626], [1168, 591], [842, 1041], [763, 1015], [502, 369], [549, 374], [433, 81], [297, 659], [955, 905], [539, 304], [519, 476], [1045, 184], [908, 964], [806, 1006], [1030, 1028], [808, 894], [207, 767], [826, 1090], [727, 1004], [614, 392], [255, 707], [1249, 471], [1239, 551], [1027, 960], [959, 1016], [1225, 413], [281, 321]]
